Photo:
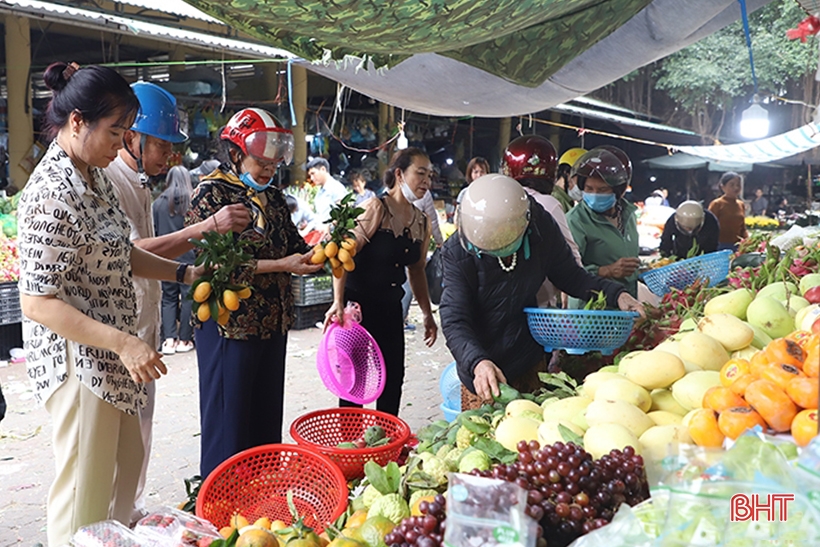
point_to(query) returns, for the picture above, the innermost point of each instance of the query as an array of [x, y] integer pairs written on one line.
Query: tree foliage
[[711, 77]]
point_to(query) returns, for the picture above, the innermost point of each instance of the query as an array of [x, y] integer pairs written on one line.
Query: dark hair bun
[[53, 76]]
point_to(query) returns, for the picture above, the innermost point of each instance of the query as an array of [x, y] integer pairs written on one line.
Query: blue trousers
[[241, 393]]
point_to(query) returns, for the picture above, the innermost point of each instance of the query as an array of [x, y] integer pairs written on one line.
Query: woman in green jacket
[[604, 224]]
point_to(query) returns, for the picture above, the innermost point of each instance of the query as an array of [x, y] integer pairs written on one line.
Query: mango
[[690, 366], [601, 439], [745, 353], [808, 282], [688, 324], [609, 368], [518, 428], [761, 339], [596, 379], [519, 406], [771, 316], [662, 400], [689, 390], [654, 369], [549, 432], [624, 390], [703, 350], [618, 412], [734, 303], [801, 315], [565, 410], [779, 290], [809, 318], [662, 417], [657, 442], [669, 346], [630, 355], [795, 303], [731, 332]]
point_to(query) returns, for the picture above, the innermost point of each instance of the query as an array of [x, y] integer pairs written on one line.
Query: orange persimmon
[[772, 404], [732, 422], [758, 361], [781, 374], [788, 352], [719, 398], [804, 426], [704, 430], [741, 384], [803, 391], [811, 366], [732, 370], [801, 337]]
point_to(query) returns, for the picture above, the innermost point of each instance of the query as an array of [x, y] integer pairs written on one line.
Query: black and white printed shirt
[[74, 244]]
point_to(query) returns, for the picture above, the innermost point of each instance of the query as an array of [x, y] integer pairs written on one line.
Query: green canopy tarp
[[525, 41], [688, 161]]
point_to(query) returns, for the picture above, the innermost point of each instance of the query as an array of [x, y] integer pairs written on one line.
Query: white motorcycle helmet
[[689, 217], [493, 216]]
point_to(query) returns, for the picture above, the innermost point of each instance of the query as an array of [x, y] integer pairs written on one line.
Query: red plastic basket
[[255, 483], [323, 430]]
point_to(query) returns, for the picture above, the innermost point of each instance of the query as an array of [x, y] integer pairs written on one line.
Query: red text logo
[[750, 507]]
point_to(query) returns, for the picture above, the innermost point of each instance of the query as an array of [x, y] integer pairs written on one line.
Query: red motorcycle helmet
[[530, 156], [603, 163], [621, 155], [257, 133]]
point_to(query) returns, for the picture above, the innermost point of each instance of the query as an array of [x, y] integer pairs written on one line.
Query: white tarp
[[762, 151], [432, 84]]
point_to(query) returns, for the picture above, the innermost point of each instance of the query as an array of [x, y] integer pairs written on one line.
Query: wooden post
[[808, 187], [384, 134], [504, 129], [18, 104], [300, 95]]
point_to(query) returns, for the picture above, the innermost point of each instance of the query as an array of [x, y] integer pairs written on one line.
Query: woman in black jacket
[[504, 249]]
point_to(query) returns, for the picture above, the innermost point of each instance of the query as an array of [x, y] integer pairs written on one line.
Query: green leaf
[[473, 427], [214, 307], [377, 477], [393, 476], [494, 450], [506, 394], [569, 436]]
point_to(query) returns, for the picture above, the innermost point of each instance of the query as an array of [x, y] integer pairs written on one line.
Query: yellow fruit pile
[[266, 533], [206, 301], [338, 254]]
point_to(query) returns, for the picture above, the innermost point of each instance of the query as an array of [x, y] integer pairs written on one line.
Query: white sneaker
[[169, 347], [184, 347]]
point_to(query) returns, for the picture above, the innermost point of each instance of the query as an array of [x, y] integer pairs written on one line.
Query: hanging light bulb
[[402, 142], [754, 124]]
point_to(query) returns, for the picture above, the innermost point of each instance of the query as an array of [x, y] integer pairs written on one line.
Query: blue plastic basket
[[450, 386], [580, 331], [679, 275]]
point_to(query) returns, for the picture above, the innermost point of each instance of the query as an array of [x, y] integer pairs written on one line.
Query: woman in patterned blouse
[[242, 364], [79, 307]]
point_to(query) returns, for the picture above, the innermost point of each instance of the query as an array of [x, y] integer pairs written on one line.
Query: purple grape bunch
[[570, 494], [426, 530]]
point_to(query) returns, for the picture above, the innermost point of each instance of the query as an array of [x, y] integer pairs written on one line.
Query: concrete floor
[[26, 461]]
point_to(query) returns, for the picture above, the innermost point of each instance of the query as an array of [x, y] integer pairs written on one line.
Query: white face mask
[[575, 193], [407, 192]]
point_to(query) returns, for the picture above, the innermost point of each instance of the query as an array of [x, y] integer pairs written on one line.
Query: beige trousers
[[98, 452]]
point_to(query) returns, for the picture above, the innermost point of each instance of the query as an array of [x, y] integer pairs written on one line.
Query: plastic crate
[[10, 311], [308, 316], [312, 289]]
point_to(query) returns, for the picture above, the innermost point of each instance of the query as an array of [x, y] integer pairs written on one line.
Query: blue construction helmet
[[157, 115]]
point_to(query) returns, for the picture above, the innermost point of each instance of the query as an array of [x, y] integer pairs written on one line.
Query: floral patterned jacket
[[270, 307]]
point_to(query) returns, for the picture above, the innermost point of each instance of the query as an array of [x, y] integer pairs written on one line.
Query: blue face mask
[[248, 181], [599, 202]]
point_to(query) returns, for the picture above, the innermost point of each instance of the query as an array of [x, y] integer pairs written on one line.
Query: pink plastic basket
[[351, 364]]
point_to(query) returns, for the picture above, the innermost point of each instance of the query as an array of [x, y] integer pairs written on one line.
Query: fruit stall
[[10, 313], [667, 434]]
